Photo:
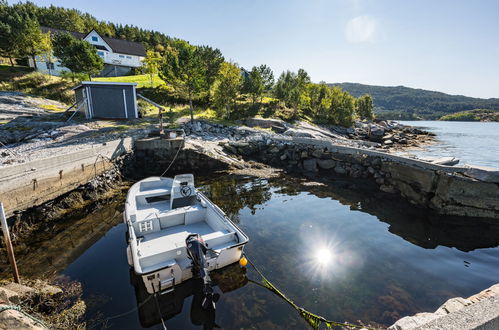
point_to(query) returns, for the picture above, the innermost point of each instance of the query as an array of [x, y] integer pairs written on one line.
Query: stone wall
[[452, 190]]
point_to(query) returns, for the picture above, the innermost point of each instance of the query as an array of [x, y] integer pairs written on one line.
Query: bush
[[43, 85]]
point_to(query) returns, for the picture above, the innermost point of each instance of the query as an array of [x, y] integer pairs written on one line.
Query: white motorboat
[[175, 233]]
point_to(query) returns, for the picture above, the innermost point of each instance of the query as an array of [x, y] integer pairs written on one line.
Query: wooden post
[[8, 243]]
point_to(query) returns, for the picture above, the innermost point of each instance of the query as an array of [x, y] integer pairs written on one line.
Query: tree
[[32, 42], [267, 77], [226, 88], [152, 63], [184, 70], [364, 107], [319, 99], [47, 50], [254, 84], [212, 60], [342, 109], [12, 25], [78, 56], [291, 87]]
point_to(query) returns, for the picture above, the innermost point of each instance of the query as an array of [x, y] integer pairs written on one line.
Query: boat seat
[[182, 216], [141, 197], [219, 239], [163, 264]]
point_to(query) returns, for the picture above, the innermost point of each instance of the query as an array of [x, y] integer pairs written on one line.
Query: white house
[[120, 56]]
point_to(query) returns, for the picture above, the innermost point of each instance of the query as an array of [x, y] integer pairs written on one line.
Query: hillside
[[410, 103], [473, 115]]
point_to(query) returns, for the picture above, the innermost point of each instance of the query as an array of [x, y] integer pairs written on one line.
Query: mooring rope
[[312, 319], [18, 308], [173, 160], [107, 319]]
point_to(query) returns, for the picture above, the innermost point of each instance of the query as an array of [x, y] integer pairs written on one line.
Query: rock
[[380, 181], [376, 133], [20, 289], [326, 164], [449, 161], [412, 322], [303, 154], [340, 169], [483, 173], [8, 296], [387, 188], [274, 150], [264, 122], [310, 165], [238, 144], [387, 137], [453, 305], [317, 153], [388, 142], [278, 129], [283, 157], [12, 319]]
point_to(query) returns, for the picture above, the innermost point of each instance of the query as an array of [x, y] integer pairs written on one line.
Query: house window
[[101, 54], [50, 65], [122, 56], [128, 56], [94, 38]]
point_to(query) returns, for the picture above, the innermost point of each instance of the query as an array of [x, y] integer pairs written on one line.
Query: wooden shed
[[107, 100]]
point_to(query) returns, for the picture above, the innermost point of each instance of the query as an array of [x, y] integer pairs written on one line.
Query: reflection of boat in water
[[176, 233], [170, 304]]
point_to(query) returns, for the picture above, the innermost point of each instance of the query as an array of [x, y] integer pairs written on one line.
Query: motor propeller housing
[[196, 250]]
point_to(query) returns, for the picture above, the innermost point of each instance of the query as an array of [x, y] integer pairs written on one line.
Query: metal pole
[[8, 243]]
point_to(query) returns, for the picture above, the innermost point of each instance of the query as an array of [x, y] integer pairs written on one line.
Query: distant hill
[[473, 115], [410, 103]]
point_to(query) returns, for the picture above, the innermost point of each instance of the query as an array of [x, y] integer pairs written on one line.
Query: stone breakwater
[[463, 191]]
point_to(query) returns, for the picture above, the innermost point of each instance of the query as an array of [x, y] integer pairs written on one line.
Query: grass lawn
[[142, 80]]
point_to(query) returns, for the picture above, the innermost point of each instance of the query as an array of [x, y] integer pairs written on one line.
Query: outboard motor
[[196, 249]]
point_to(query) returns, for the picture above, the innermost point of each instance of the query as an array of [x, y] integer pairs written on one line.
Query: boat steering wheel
[[185, 191]]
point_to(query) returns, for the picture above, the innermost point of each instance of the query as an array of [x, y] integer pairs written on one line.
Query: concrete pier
[[36, 182]]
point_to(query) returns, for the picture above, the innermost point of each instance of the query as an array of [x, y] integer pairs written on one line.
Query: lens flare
[[323, 256]]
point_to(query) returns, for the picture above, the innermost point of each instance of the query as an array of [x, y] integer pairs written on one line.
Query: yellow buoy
[[243, 261]]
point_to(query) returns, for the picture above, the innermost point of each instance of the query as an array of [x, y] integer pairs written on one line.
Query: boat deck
[[174, 237]]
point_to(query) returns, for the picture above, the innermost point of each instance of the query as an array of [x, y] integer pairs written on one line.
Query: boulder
[[340, 169], [326, 164], [310, 165]]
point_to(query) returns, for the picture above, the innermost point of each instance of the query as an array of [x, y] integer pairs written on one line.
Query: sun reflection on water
[[323, 256]]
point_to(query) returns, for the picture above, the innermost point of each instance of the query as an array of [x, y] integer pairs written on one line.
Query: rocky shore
[[40, 305], [380, 135]]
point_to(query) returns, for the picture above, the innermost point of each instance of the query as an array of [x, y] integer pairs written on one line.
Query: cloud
[[361, 29]]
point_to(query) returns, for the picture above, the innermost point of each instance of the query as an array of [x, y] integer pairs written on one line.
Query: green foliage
[[226, 88], [267, 77], [290, 89], [152, 63], [43, 85], [409, 103], [79, 56], [212, 60], [364, 107], [473, 115], [319, 100], [342, 109], [184, 70], [254, 84], [20, 33]]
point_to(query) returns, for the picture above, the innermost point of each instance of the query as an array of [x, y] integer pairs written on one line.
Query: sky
[[446, 45]]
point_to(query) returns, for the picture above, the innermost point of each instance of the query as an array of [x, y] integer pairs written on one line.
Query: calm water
[[472, 142], [383, 259], [337, 248]]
